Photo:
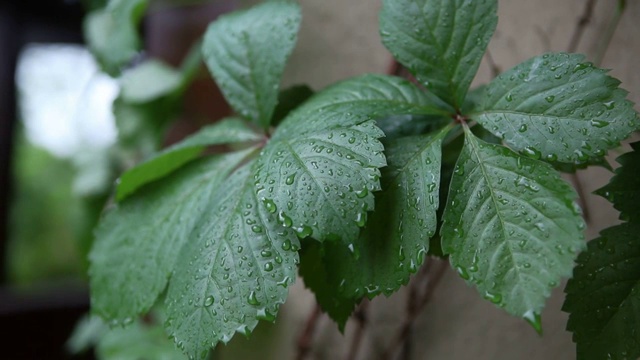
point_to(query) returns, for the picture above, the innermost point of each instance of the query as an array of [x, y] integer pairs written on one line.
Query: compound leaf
[[603, 298], [247, 51], [321, 166], [396, 238], [111, 33], [227, 131], [440, 41], [137, 241], [623, 190], [511, 226], [234, 271], [557, 107]]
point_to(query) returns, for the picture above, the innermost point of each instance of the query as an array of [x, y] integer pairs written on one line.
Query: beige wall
[[339, 39]]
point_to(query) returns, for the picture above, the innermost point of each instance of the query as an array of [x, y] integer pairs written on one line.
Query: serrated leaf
[[395, 240], [111, 33], [315, 273], [511, 227], [289, 99], [246, 52], [557, 107], [227, 131], [137, 241], [603, 298], [234, 271], [440, 41], [623, 190], [321, 166]]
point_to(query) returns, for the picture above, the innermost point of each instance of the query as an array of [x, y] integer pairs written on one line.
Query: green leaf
[[111, 33], [234, 271], [149, 81], [623, 190], [289, 99], [321, 166], [511, 226], [440, 41], [137, 241], [557, 107], [396, 238], [231, 130], [315, 272], [603, 298], [247, 51]]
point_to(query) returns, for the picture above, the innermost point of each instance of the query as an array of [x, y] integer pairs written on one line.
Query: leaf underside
[[440, 41], [511, 226], [558, 107], [623, 190], [603, 298]]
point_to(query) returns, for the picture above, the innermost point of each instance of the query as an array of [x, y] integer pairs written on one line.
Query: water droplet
[[284, 219], [265, 253], [286, 245], [268, 266], [550, 98], [523, 128], [462, 272], [209, 301], [532, 152], [252, 299], [362, 193], [290, 179], [256, 229], [599, 123], [303, 231], [270, 205], [493, 297], [609, 105], [509, 97]]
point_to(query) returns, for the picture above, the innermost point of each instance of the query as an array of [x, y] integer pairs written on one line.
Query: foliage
[[314, 184]]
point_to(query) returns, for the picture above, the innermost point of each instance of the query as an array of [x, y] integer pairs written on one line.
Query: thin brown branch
[[577, 184], [360, 316], [427, 280], [605, 40], [306, 338], [493, 66], [581, 25]]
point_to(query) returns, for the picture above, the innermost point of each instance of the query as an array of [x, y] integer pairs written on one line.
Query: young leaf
[[247, 51], [321, 166], [315, 272], [395, 240], [137, 241], [603, 298], [111, 33], [440, 42], [234, 271], [557, 107], [624, 188], [227, 131], [149, 81], [289, 99], [511, 226]]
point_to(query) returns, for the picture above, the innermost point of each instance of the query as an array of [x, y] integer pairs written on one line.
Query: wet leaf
[[558, 107], [603, 298], [246, 52], [623, 190], [321, 167], [511, 227], [234, 271], [440, 41], [138, 240]]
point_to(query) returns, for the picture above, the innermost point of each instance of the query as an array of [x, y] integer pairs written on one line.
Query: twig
[[432, 275], [360, 316], [306, 338], [608, 34], [583, 21]]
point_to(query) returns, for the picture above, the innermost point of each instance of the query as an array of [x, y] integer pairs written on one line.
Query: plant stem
[[605, 40], [306, 338], [583, 21]]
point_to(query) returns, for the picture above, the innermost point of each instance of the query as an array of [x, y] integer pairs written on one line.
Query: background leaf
[[511, 227], [623, 190], [234, 271], [137, 241], [111, 33], [321, 166], [247, 51], [440, 41], [603, 298], [557, 107], [149, 81], [227, 131]]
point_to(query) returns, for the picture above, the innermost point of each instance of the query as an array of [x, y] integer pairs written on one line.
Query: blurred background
[[61, 151]]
